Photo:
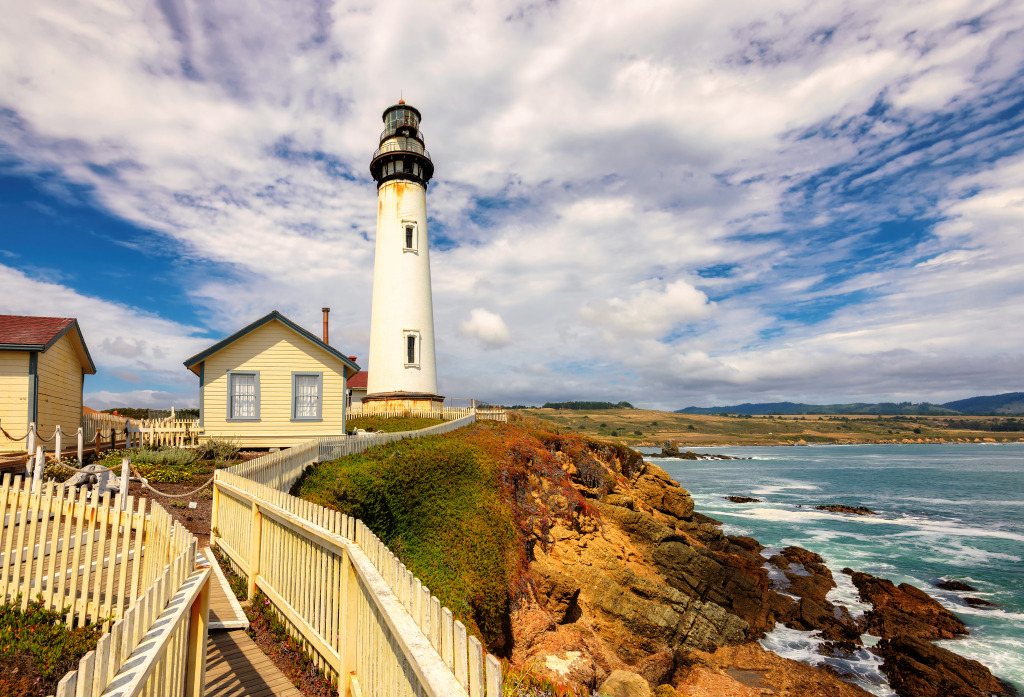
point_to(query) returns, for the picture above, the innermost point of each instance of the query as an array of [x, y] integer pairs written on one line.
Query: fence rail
[[159, 432], [369, 409], [135, 572], [333, 447], [371, 625]]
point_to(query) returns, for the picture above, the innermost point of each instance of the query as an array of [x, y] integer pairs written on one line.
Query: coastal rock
[[670, 450], [661, 492], [839, 508], [954, 585], [919, 668], [622, 683], [643, 585], [742, 499], [904, 610], [810, 580], [560, 592], [748, 669], [980, 602]]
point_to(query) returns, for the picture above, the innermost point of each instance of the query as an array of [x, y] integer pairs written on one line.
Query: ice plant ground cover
[[37, 648]]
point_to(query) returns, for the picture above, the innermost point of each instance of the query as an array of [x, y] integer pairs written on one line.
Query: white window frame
[[319, 391], [231, 395], [406, 225], [417, 350]]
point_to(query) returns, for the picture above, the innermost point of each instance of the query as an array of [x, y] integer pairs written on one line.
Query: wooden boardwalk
[[235, 665]]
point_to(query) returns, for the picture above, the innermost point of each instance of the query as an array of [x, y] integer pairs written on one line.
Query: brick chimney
[[327, 311]]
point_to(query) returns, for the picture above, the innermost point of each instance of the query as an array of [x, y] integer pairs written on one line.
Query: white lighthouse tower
[[401, 366]]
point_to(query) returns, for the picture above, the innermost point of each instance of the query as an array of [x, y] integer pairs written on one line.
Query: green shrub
[[436, 502], [169, 466], [170, 456], [41, 635], [60, 473], [218, 449]]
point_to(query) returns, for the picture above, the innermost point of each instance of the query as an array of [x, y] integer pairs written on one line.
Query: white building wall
[[401, 294]]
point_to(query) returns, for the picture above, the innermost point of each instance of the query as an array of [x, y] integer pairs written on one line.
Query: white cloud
[[590, 168], [487, 327], [652, 310], [125, 341]]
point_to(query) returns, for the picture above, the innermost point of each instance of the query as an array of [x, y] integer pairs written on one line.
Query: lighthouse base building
[[402, 372]]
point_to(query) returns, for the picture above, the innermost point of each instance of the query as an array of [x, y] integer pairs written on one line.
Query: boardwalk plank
[[236, 666]]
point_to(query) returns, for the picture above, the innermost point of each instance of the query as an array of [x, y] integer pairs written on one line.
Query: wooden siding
[[60, 389], [276, 352], [13, 399]]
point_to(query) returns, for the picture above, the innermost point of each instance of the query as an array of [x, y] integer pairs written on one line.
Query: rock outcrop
[[904, 610], [636, 586], [840, 508], [918, 667]]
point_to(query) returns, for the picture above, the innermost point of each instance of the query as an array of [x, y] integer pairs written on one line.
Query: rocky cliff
[[634, 582]]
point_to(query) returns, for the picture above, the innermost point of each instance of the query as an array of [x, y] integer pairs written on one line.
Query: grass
[[436, 503], [643, 426], [459, 509], [37, 648], [390, 425]]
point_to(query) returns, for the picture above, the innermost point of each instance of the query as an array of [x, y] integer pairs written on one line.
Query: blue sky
[[669, 203]]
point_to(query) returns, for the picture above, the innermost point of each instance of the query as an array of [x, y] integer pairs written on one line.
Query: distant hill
[[1009, 403], [587, 405]]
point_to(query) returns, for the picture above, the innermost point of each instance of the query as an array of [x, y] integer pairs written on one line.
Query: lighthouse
[[402, 373]]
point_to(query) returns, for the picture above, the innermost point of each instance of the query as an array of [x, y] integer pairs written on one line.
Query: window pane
[[307, 396], [243, 396], [410, 348]]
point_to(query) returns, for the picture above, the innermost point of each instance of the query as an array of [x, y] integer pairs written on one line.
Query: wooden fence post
[[255, 533], [124, 483], [81, 438], [58, 449], [349, 627], [30, 446], [37, 473], [198, 630], [214, 530]]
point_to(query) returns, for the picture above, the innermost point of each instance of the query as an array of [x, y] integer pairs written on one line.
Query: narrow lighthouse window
[[410, 236], [412, 358]]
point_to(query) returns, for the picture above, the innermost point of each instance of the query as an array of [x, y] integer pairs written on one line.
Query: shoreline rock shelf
[[647, 585], [839, 508], [669, 450]]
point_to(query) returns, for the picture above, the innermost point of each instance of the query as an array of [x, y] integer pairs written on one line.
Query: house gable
[[273, 354], [274, 316]]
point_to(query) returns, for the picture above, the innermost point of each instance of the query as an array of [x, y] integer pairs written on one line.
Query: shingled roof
[[23, 333], [34, 331]]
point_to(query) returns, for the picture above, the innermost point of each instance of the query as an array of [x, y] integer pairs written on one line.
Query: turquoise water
[[944, 511]]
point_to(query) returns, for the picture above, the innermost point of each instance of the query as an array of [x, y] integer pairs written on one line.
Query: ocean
[[944, 512]]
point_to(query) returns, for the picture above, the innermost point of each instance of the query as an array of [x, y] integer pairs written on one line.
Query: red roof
[[31, 331], [358, 381]]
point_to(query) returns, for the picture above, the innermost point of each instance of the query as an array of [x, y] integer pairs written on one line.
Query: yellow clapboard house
[[271, 384], [43, 364]]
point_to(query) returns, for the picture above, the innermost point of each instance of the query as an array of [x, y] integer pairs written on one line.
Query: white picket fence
[[371, 625], [391, 412], [159, 432], [333, 447], [103, 561], [102, 425]]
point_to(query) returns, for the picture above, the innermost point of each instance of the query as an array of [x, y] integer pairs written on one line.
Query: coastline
[[788, 444], [961, 525]]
